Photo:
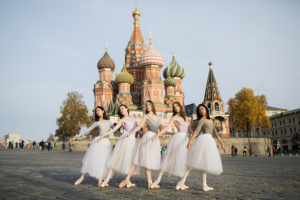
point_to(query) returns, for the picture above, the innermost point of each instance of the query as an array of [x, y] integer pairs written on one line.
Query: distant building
[[11, 137], [283, 125]]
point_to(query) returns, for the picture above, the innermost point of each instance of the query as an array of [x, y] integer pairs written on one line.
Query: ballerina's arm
[[219, 139], [164, 130], [120, 123], [138, 127], [190, 127], [197, 131], [117, 131], [94, 125]]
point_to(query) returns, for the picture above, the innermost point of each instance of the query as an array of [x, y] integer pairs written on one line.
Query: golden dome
[[136, 12], [124, 77]]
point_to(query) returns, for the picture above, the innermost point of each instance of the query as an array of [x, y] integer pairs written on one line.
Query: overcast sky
[[51, 47]]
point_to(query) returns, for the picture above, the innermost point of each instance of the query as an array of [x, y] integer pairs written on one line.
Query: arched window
[[136, 96], [284, 142], [217, 106], [138, 116], [133, 115], [209, 106]]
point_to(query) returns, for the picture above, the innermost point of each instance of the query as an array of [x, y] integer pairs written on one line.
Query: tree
[[51, 138], [74, 115], [248, 111]]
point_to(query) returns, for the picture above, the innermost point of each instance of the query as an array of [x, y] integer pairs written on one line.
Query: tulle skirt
[[148, 153], [95, 159], [123, 154], [174, 160], [204, 155]]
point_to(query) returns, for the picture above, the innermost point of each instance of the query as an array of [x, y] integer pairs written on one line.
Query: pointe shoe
[[129, 185], [123, 183], [104, 185], [179, 185], [184, 187], [155, 185], [79, 181], [149, 185], [99, 183], [206, 189]]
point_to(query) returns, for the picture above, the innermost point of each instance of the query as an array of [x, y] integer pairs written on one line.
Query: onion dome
[[124, 76], [151, 56], [106, 62], [175, 70], [169, 82], [136, 12]]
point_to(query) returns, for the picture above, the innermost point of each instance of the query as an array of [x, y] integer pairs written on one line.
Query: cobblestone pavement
[[51, 175]]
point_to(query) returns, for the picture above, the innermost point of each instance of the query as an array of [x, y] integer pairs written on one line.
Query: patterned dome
[[124, 77], [151, 57], [106, 62], [169, 82], [175, 70]]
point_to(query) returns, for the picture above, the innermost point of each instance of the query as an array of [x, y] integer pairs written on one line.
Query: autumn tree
[[74, 115], [248, 111]]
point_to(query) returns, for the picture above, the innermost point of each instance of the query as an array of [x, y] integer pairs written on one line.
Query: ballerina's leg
[[105, 182], [205, 187], [183, 179], [127, 178], [80, 179], [155, 184]]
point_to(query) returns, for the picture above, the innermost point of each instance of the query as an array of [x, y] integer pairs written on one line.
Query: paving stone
[[51, 175]]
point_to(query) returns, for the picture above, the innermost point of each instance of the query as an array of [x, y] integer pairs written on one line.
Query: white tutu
[[174, 160], [95, 159], [123, 154], [204, 155], [148, 154]]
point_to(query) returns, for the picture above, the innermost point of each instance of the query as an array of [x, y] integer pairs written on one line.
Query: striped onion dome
[[175, 70], [106, 62], [151, 57], [124, 77], [170, 82]]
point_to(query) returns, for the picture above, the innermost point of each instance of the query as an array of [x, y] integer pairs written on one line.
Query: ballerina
[[123, 154], [95, 159], [204, 154], [174, 159], [148, 153]]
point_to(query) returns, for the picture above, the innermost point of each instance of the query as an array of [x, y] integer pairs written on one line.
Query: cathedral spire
[[212, 91]]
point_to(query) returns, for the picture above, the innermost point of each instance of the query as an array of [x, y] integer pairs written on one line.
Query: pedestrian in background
[[42, 145], [49, 146], [235, 151], [296, 140], [9, 145], [232, 150], [23, 145], [244, 151], [269, 152], [12, 145], [274, 151], [16, 144], [70, 146], [33, 144], [250, 151]]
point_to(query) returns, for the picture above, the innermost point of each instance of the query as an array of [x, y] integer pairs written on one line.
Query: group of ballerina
[[181, 156]]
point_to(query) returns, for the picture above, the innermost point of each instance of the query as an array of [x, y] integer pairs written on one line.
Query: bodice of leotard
[[207, 127], [129, 126], [153, 125], [182, 125]]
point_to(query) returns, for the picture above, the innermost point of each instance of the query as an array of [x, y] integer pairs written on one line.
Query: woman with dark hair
[[96, 157], [148, 153], [122, 156], [204, 154], [174, 160]]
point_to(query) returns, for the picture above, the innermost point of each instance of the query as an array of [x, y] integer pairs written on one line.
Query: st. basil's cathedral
[[140, 80]]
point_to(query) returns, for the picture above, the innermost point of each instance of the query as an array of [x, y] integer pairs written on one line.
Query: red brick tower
[[153, 87], [135, 48], [105, 89], [214, 103]]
